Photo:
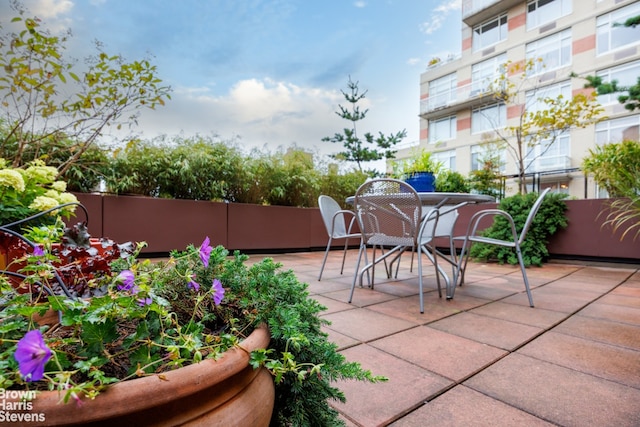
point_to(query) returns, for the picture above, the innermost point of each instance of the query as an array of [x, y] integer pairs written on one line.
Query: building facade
[[576, 38]]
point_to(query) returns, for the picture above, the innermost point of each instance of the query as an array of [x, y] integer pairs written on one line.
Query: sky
[[268, 73]]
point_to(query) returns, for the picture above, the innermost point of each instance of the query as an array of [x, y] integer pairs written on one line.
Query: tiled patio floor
[[486, 358]]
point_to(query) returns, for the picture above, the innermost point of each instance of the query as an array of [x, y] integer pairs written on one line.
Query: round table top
[[434, 198]]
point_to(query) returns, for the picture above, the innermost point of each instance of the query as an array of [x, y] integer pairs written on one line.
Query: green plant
[[449, 181], [488, 179], [616, 168], [419, 161], [149, 317], [549, 219], [27, 191], [49, 102]]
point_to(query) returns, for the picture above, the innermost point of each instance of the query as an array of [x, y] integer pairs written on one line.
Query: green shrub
[[616, 167], [549, 219], [342, 185], [449, 181]]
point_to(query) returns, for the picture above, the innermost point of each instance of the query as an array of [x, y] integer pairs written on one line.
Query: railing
[[458, 95], [549, 163]]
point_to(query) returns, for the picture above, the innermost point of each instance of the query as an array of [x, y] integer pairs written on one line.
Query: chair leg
[[355, 274], [344, 254], [420, 278], [524, 274], [462, 266], [324, 260]]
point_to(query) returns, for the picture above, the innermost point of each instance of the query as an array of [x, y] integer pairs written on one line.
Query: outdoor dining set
[[391, 218]]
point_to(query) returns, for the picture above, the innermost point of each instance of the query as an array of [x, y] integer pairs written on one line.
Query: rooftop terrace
[[486, 358]]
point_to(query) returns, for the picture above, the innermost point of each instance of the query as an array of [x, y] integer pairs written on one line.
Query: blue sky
[[269, 71]]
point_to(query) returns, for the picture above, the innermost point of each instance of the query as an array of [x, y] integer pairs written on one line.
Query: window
[[539, 12], [488, 118], [442, 91], [554, 51], [490, 32], [610, 37], [535, 98], [442, 129], [481, 154], [618, 130], [545, 156], [484, 73], [447, 158], [625, 75]]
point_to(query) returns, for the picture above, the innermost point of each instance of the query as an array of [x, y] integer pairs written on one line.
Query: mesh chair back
[[328, 209], [389, 212]]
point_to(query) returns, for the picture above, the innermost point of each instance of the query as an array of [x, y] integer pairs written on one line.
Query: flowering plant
[[30, 190], [149, 317]]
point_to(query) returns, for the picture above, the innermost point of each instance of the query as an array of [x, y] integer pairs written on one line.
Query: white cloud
[[360, 4], [439, 14], [261, 112]]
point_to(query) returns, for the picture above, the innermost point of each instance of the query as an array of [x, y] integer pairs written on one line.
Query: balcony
[[462, 97], [550, 162], [475, 12]]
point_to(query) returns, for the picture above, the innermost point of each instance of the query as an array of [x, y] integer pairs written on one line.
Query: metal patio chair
[[472, 237]]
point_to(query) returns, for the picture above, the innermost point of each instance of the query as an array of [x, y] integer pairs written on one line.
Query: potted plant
[[419, 170], [150, 334]]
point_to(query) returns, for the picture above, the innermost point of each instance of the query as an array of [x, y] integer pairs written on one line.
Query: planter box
[[167, 224]]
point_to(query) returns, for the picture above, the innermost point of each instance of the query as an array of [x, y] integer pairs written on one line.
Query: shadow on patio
[[486, 357]]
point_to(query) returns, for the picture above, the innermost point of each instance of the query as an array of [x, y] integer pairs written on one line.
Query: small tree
[[356, 149], [48, 105], [541, 120]]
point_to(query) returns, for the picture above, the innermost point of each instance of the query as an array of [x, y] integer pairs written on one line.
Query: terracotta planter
[[225, 392]]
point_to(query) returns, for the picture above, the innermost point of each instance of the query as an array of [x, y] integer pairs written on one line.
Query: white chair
[[472, 237], [389, 214], [335, 220]]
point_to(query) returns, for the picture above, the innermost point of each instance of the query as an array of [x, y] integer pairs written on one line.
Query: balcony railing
[[475, 12], [467, 94], [471, 7], [548, 163]]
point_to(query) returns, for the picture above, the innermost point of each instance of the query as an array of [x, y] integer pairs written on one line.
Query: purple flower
[[218, 292], [205, 252], [37, 251], [127, 278], [32, 354], [144, 301], [193, 285]]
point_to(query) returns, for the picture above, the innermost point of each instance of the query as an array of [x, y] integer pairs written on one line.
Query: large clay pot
[[223, 392]]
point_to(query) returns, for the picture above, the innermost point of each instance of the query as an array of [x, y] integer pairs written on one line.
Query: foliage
[[549, 219], [449, 181], [488, 179], [419, 161], [158, 316], [616, 168], [27, 191], [356, 149], [340, 186], [539, 126], [48, 102]]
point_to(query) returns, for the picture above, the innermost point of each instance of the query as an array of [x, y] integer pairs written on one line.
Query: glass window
[[490, 32], [546, 156], [442, 91], [540, 12], [488, 118], [481, 153], [484, 73], [535, 98], [611, 37], [617, 130], [447, 158], [553, 51], [442, 129], [625, 75]]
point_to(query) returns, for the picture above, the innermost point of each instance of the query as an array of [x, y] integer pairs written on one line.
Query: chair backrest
[[389, 210], [328, 209], [532, 214]]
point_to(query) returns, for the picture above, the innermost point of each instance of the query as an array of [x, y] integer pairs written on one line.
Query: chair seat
[[385, 240]]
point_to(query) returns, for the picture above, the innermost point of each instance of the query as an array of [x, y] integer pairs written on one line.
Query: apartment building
[[458, 113]]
